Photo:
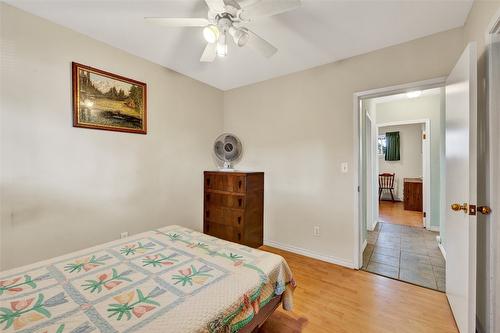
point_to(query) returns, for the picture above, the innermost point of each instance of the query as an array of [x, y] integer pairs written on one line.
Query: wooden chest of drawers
[[234, 206], [413, 194]]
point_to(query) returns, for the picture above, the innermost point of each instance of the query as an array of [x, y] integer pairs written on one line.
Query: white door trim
[[494, 26], [371, 225], [401, 88], [369, 117], [426, 163], [357, 97]]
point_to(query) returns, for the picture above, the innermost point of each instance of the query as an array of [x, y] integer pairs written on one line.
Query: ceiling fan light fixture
[[221, 50], [226, 19], [211, 33], [240, 36], [222, 46]]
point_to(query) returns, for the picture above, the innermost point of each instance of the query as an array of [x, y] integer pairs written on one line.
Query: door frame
[[374, 157], [493, 105], [358, 160], [426, 163]]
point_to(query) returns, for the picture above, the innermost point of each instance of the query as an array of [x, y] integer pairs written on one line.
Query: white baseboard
[[441, 247], [373, 226], [308, 253], [434, 228]]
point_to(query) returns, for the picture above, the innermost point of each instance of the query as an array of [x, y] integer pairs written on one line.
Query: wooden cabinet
[[413, 194], [234, 206]]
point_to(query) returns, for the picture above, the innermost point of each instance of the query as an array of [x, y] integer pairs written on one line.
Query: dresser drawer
[[225, 182], [225, 200], [224, 215], [223, 231]]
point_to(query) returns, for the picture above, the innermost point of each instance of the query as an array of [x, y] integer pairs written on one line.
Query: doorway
[[458, 204], [401, 159], [409, 174]]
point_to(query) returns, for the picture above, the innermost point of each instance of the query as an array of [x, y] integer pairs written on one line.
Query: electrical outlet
[[124, 234], [316, 231]]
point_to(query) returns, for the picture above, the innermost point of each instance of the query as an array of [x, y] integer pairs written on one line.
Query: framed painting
[[107, 101]]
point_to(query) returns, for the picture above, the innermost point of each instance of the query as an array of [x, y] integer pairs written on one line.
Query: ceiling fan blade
[[217, 6], [232, 3], [261, 45], [262, 8], [178, 22], [209, 53]]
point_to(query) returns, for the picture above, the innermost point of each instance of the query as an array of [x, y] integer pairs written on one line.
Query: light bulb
[[221, 50], [240, 36], [222, 46], [413, 94], [211, 33]]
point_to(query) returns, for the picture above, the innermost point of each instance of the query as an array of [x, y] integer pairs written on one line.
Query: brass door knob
[[485, 210], [458, 207]]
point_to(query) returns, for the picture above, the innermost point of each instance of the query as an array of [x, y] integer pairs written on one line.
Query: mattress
[[168, 280]]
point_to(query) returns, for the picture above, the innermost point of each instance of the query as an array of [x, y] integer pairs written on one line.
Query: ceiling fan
[[226, 19]]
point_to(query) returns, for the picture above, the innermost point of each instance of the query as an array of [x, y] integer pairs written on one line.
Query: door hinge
[[425, 214], [359, 189], [424, 136]]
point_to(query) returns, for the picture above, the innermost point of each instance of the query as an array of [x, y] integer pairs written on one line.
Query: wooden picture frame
[[106, 101]]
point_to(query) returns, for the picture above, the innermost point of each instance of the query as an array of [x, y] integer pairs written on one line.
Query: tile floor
[[405, 253]]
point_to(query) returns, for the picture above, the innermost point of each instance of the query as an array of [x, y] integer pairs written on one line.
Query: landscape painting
[[107, 101]]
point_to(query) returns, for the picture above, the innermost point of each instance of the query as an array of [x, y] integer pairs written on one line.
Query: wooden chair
[[386, 182]]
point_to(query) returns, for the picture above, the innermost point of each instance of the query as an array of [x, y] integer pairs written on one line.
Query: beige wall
[[410, 163], [65, 188], [299, 129]]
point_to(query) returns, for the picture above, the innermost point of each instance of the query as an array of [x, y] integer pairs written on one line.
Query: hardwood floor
[[331, 298], [394, 212]]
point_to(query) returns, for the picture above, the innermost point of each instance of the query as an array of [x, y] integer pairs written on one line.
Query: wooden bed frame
[[264, 313]]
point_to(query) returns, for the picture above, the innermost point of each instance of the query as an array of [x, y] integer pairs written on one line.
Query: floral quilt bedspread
[[169, 280]]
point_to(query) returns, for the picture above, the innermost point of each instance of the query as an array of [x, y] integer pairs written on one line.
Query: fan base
[[227, 169]]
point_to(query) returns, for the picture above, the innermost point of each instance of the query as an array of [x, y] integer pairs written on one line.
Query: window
[[381, 144]]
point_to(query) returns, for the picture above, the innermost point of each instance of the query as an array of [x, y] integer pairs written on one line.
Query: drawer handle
[[240, 201], [239, 219], [207, 213]]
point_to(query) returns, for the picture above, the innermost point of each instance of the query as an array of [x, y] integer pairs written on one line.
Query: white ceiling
[[319, 32]]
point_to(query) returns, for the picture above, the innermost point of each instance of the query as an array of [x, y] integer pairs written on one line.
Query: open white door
[[461, 189]]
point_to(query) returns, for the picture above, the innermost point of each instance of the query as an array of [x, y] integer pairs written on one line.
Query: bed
[[168, 280]]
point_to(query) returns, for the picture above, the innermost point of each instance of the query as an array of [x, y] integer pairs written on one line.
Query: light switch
[[344, 167]]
